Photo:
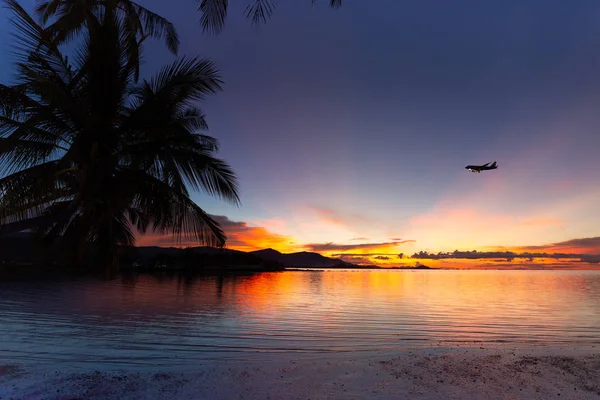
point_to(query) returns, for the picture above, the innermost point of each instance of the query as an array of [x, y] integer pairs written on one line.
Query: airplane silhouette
[[479, 168]]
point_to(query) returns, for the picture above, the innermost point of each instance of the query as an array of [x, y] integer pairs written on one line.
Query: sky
[[349, 129]]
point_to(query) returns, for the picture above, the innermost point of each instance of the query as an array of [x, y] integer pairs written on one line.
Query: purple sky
[[358, 122]]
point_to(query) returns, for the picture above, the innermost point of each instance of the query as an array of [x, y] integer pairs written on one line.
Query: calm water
[[174, 322]]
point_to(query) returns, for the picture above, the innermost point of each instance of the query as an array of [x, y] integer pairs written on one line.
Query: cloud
[[382, 258], [583, 250], [328, 247], [360, 238], [541, 222], [163, 240], [240, 236], [337, 217], [363, 254], [271, 224], [583, 245], [354, 259]]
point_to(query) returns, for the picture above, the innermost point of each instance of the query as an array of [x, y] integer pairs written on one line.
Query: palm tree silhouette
[[69, 18], [89, 155]]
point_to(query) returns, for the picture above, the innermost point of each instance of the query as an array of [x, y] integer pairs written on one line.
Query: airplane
[[484, 167]]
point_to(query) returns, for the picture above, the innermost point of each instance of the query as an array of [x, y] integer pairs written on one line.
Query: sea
[[173, 321]]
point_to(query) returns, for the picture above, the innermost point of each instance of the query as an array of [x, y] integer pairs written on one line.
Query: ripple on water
[[173, 321]]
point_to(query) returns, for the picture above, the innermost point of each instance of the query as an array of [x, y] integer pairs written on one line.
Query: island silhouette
[[20, 251]]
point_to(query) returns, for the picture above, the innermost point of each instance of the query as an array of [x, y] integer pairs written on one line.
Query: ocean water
[[173, 321]]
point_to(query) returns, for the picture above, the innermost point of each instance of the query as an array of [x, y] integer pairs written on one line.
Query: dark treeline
[[505, 255]]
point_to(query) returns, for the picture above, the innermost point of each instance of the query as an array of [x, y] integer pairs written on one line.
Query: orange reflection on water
[[488, 300], [235, 315]]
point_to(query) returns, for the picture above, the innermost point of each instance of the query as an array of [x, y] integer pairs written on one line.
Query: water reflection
[[182, 320]]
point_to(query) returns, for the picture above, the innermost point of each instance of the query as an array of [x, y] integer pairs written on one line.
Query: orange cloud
[[338, 218], [166, 240], [381, 254], [447, 228], [240, 236], [542, 222], [332, 247]]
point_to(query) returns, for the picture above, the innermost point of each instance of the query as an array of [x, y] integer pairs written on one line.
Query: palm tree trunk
[[109, 253]]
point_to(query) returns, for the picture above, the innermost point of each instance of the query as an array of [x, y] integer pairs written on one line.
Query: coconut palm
[[88, 155], [69, 17]]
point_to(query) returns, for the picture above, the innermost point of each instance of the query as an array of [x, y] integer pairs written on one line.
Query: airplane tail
[[494, 165]]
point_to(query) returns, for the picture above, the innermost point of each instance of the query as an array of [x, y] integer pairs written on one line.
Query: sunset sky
[[350, 129]]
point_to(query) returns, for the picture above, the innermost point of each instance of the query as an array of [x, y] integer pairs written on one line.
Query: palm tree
[[69, 17], [88, 155]]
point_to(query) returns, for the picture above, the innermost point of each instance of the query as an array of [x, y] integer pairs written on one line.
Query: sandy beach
[[442, 373]]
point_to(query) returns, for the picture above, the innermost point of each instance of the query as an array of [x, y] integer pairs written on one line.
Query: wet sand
[[441, 373]]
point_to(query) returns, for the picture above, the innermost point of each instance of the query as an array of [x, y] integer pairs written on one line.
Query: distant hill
[[302, 259], [153, 251], [21, 248], [269, 254]]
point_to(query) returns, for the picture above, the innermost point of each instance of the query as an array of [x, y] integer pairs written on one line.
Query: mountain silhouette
[[301, 259], [21, 248]]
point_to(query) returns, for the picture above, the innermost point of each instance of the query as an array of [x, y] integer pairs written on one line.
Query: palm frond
[[69, 17], [156, 26], [18, 154], [64, 223], [332, 3], [208, 142], [111, 230], [35, 129], [121, 230], [194, 120], [46, 9], [34, 45], [214, 12], [27, 193], [12, 104], [185, 80], [22, 224], [138, 219], [32, 129], [260, 11], [170, 211], [43, 72], [204, 172], [169, 149], [213, 15]]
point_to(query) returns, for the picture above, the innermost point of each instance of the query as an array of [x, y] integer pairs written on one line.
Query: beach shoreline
[[466, 372]]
